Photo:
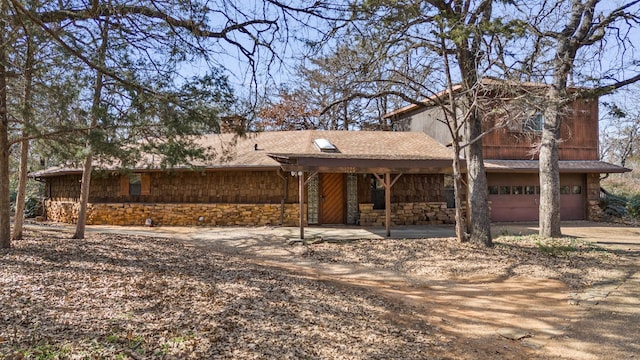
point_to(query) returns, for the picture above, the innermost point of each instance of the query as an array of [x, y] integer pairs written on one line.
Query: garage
[[516, 196]]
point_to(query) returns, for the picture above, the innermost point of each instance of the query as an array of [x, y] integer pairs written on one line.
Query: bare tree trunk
[[24, 146], [5, 213], [478, 196], [457, 191], [22, 190], [88, 162], [454, 131], [84, 194], [478, 207], [550, 171]]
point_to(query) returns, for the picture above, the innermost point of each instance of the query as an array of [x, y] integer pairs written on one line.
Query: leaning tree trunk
[[84, 195], [22, 190], [88, 162], [24, 146], [5, 213]]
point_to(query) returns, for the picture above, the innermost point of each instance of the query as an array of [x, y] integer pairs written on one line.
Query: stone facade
[[422, 213], [174, 214], [594, 211], [418, 213]]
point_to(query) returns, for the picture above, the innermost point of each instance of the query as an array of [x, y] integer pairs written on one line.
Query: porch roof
[[566, 166], [363, 164]]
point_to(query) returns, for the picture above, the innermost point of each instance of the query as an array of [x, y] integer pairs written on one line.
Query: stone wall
[[417, 213], [594, 211], [174, 214]]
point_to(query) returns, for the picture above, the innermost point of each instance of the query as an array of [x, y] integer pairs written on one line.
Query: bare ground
[[123, 296]]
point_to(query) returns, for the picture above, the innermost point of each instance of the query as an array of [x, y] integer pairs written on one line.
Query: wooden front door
[[332, 199]]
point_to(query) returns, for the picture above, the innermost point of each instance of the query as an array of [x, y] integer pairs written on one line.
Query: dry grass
[[576, 263], [121, 297]]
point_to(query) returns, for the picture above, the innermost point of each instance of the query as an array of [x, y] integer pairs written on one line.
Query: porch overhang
[[299, 164], [362, 164]]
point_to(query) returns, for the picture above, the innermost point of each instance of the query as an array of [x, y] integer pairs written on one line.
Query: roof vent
[[325, 145]]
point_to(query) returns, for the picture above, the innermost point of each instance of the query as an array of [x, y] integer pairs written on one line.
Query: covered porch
[[330, 180]]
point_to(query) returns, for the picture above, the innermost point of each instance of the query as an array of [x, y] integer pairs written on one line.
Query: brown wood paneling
[[579, 134], [418, 188], [332, 188], [124, 185], [145, 184], [259, 187]]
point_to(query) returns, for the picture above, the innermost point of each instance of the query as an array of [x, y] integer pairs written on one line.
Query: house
[[510, 157], [290, 178]]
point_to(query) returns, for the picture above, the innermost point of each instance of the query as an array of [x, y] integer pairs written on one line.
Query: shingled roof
[[256, 150]]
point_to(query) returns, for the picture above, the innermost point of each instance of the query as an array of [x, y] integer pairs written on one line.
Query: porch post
[[387, 202], [301, 202]]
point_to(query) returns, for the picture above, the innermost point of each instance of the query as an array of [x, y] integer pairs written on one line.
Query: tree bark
[[24, 146], [550, 170], [478, 206], [84, 194], [18, 222], [457, 191], [88, 162], [478, 192], [5, 222]]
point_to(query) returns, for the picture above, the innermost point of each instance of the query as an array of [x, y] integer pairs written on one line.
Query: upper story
[[516, 130]]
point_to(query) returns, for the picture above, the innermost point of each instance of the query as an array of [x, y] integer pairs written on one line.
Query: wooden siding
[[426, 120], [579, 134], [181, 187], [418, 188], [229, 187], [409, 188]]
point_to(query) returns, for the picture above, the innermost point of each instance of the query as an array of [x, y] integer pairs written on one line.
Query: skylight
[[325, 145]]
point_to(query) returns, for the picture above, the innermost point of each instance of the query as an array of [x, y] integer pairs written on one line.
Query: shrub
[[633, 206]]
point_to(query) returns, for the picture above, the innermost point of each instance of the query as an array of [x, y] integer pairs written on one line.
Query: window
[[517, 190], [576, 189], [135, 184], [493, 190], [565, 189], [534, 123], [449, 192], [377, 193], [325, 145], [530, 190], [505, 190]]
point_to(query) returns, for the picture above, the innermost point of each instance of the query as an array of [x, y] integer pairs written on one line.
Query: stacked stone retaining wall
[[174, 214], [417, 213]]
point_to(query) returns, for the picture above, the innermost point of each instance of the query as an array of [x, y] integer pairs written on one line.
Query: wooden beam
[[387, 202], [388, 183], [301, 202]]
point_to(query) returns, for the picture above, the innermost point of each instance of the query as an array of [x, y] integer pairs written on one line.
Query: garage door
[[516, 197]]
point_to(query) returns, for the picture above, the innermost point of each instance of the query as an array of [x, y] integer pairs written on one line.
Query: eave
[[362, 164], [566, 166]]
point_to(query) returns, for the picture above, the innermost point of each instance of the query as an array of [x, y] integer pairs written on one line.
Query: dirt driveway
[[477, 314]]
